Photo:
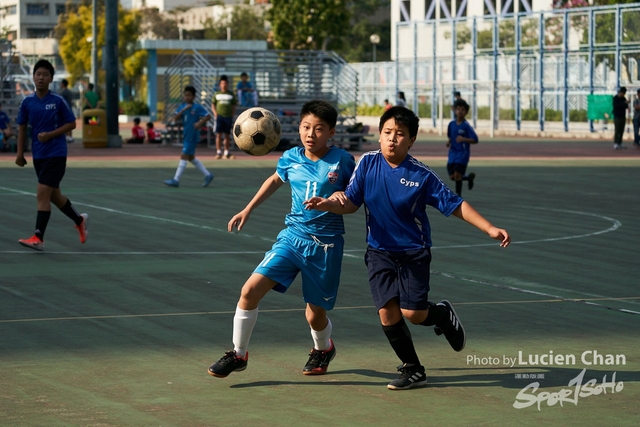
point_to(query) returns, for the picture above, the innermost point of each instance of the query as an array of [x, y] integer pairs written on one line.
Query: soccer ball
[[257, 131]]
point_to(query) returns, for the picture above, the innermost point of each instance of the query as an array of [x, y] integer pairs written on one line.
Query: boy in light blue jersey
[[460, 134], [194, 116], [50, 118], [311, 244], [396, 189]]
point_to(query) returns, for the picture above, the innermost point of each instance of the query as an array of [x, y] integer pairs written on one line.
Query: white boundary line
[[290, 310]]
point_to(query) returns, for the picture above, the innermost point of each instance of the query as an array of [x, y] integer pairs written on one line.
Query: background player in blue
[[460, 134], [311, 244], [194, 116], [5, 127], [50, 118], [396, 189]]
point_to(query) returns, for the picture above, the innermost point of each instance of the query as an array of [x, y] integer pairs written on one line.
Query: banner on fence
[[599, 107]]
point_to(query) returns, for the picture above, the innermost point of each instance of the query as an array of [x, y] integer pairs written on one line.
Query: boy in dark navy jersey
[[50, 118], [460, 134], [396, 189]]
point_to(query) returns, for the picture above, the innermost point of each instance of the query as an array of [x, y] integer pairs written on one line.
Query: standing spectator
[[68, 97], [90, 98], [245, 91], [5, 126], [387, 105], [401, 101], [620, 107], [636, 120], [224, 109]]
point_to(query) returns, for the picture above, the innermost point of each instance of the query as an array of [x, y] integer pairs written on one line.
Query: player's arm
[[22, 139], [269, 186], [202, 121], [467, 213], [334, 204], [67, 127], [214, 109]]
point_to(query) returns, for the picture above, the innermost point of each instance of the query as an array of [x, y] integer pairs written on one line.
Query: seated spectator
[[5, 127], [153, 136], [137, 133]]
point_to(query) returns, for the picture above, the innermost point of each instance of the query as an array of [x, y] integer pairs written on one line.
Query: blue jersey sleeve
[[23, 113], [65, 111], [348, 166], [439, 196], [284, 163], [449, 130], [200, 111], [355, 189], [471, 133]]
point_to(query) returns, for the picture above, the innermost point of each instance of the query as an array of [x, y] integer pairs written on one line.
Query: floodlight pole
[[94, 43]]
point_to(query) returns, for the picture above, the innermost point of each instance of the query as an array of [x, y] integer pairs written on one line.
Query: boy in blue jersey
[[5, 128], [50, 118], [194, 116], [311, 244], [396, 189], [460, 134]]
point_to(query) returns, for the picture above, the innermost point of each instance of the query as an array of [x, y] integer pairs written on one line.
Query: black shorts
[[223, 124], [402, 275], [456, 167], [50, 170]]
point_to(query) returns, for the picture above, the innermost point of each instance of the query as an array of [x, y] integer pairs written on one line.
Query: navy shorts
[[50, 170], [401, 275], [456, 167], [223, 124]]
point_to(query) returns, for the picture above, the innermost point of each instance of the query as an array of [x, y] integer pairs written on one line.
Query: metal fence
[[285, 77], [543, 64]]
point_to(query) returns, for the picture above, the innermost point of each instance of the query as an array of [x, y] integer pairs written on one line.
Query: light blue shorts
[[319, 261], [189, 148]]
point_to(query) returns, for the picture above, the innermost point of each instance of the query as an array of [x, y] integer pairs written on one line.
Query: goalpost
[[487, 87]]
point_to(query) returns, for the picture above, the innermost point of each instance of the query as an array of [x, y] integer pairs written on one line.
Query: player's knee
[[415, 316]]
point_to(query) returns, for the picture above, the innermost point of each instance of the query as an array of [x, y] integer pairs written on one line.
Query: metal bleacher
[[284, 80], [16, 83]]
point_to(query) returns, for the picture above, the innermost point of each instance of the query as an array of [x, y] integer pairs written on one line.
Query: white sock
[[197, 163], [243, 323], [321, 338], [219, 152], [226, 152], [181, 166]]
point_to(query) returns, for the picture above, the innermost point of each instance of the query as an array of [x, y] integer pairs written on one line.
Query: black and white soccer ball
[[257, 131]]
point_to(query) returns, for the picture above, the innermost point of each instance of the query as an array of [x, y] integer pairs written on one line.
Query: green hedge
[[134, 108]]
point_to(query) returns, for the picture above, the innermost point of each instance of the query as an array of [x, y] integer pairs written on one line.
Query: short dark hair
[[456, 93], [244, 74], [223, 78], [461, 103], [136, 120], [150, 125], [190, 89], [623, 89], [90, 86], [322, 110], [43, 63], [64, 82], [402, 116]]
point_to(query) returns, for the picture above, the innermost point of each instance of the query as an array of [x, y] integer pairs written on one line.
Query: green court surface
[[120, 331]]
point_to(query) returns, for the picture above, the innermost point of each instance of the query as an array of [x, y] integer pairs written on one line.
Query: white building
[[166, 5], [405, 11], [30, 24]]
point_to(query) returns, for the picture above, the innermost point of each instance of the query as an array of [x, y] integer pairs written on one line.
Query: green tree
[[155, 26], [246, 23], [75, 28], [355, 45], [309, 24]]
